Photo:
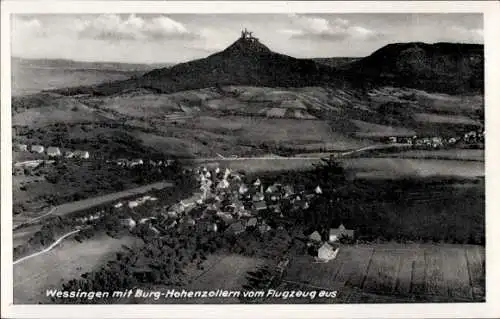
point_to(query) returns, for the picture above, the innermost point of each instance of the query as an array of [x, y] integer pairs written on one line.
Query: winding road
[[54, 244]]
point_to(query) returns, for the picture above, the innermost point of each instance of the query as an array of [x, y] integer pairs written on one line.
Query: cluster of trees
[[161, 260], [388, 210]]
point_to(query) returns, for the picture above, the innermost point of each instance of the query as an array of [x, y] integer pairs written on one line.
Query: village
[[227, 205], [434, 142]]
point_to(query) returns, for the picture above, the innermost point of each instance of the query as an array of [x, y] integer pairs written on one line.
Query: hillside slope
[[245, 62], [440, 67]]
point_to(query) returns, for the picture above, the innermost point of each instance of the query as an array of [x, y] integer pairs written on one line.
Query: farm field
[[265, 165], [374, 167], [441, 119], [450, 154], [288, 132], [366, 129], [400, 167], [451, 272], [68, 261], [21, 236]]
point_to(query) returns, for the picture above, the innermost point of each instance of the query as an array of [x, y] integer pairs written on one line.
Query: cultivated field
[[367, 129], [451, 272], [399, 167], [449, 154], [68, 261], [367, 167], [265, 165], [441, 119], [22, 236]]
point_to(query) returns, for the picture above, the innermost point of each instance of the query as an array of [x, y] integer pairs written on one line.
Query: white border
[[491, 10]]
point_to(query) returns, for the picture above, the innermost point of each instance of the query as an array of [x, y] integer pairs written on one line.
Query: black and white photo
[[261, 158]]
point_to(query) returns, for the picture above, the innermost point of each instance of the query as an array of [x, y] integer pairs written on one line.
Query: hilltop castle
[[246, 35]]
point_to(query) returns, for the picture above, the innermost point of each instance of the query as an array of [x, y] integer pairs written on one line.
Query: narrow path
[[54, 244]]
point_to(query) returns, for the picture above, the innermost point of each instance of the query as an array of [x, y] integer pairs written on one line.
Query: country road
[[54, 244], [359, 150]]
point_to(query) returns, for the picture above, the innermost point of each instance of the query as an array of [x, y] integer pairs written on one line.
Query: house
[[118, 205], [225, 217], [236, 228], [336, 233], [212, 227], [252, 222], [309, 196], [223, 184], [326, 253], [82, 154], [227, 173], [287, 191], [190, 222], [257, 183], [171, 225], [172, 214], [69, 154], [260, 205], [136, 162], [272, 189], [155, 231], [21, 147], [303, 204], [452, 140], [258, 197], [37, 149], [133, 204], [318, 190], [263, 228], [144, 220], [315, 236], [436, 141], [129, 222], [53, 151], [178, 208], [243, 189], [198, 198], [393, 139]]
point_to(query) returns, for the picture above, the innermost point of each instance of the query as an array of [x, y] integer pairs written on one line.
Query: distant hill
[[440, 67], [34, 75], [82, 65], [245, 62], [337, 62]]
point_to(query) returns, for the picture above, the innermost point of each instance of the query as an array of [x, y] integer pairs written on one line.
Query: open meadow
[[402, 167], [67, 261], [445, 154], [374, 167], [418, 271]]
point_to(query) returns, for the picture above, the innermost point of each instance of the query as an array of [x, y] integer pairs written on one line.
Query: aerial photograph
[[332, 158]]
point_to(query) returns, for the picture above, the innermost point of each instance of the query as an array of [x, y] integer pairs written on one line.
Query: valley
[[234, 171]]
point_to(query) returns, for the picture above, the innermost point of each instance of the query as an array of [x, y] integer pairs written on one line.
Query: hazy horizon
[[176, 38]]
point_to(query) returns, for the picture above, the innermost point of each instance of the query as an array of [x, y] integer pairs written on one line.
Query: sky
[[160, 38]]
